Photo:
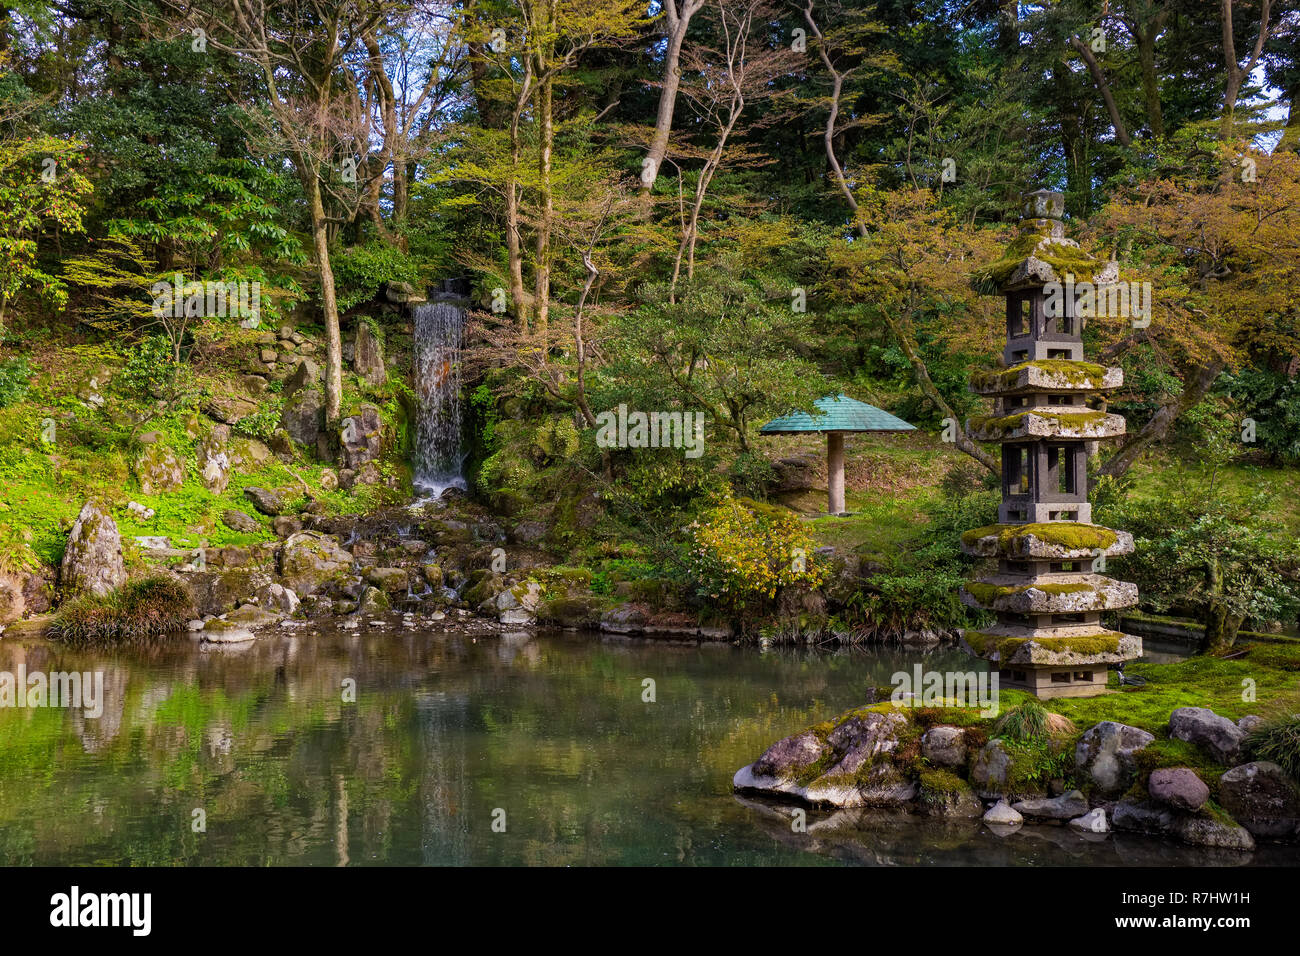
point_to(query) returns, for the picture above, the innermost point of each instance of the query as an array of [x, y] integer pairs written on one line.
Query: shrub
[[1278, 741], [139, 610], [14, 373], [742, 552]]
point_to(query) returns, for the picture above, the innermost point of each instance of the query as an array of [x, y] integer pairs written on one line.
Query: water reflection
[[445, 731]]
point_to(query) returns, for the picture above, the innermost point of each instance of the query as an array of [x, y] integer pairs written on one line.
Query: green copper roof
[[839, 414]]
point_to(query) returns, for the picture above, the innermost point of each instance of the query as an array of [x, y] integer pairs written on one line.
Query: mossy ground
[[985, 644], [44, 484], [1075, 373], [1064, 534]]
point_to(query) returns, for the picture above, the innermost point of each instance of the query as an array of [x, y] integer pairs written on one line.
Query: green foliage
[[728, 345], [14, 373], [742, 553], [112, 282], [262, 423], [140, 610], [1273, 401], [151, 369], [40, 185], [360, 272], [919, 586], [1196, 555]]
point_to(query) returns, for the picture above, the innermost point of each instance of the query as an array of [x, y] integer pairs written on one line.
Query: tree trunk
[[1154, 430], [1146, 44], [1221, 623], [1236, 75], [672, 78], [546, 202], [329, 303], [1099, 77]]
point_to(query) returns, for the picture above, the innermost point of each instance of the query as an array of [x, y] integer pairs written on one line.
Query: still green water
[[548, 734]]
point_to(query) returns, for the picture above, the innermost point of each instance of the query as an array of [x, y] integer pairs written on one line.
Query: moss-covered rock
[[1057, 540]]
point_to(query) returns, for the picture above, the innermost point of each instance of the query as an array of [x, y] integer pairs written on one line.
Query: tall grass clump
[[138, 611], [1278, 740], [1031, 721]]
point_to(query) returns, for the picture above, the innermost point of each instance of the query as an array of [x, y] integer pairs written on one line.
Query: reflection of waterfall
[[438, 456]]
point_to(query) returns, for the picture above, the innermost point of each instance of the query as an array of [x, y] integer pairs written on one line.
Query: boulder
[[944, 746], [389, 580], [217, 631], [303, 417], [804, 473], [1178, 787], [214, 460], [1250, 722], [360, 437], [1262, 798], [1143, 816], [239, 521], [1003, 814], [518, 604], [229, 409], [990, 769], [528, 532], [306, 374], [373, 601], [1211, 832], [93, 560], [862, 737], [788, 757], [278, 598], [269, 503], [368, 355], [285, 525], [944, 794], [1105, 755], [1094, 821], [329, 479], [12, 603], [309, 560], [1201, 726], [253, 615], [158, 469], [1065, 807], [248, 454], [624, 619]]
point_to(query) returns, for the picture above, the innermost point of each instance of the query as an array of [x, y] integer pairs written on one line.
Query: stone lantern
[[1047, 591]]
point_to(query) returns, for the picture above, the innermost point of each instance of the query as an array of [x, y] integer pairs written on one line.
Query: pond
[[546, 736]]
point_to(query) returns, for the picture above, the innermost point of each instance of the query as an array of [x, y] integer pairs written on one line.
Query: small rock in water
[[1003, 814], [1094, 821], [195, 625], [1065, 807]]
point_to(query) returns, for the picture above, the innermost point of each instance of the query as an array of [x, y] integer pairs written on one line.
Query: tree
[[678, 15], [722, 346], [41, 187], [911, 267], [1217, 240], [310, 111]]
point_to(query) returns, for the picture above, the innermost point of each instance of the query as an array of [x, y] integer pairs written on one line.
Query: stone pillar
[[835, 472]]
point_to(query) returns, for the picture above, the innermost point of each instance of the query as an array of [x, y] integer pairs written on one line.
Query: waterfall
[[438, 455]]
